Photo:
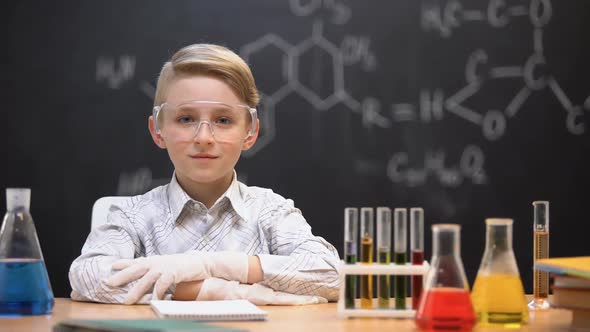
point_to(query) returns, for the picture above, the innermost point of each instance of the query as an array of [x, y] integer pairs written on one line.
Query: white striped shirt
[[166, 220]]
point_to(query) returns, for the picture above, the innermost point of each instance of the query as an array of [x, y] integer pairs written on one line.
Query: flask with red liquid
[[446, 303]]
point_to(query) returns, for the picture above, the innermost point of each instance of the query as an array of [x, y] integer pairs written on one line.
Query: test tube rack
[[377, 269]]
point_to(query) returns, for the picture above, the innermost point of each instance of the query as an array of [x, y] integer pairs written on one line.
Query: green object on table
[[137, 325]]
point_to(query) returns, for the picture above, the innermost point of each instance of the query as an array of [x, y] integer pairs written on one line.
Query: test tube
[[400, 221], [367, 220], [540, 250], [383, 253], [417, 249], [351, 216]]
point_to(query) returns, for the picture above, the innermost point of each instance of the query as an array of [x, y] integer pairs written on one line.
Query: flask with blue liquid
[[24, 283]]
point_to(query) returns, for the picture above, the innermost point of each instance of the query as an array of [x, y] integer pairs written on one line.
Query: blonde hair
[[209, 60]]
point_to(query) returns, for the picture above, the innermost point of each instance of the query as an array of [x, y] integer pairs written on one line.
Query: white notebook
[[209, 310]]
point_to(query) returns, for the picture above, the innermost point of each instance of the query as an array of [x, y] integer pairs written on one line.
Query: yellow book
[[573, 266]]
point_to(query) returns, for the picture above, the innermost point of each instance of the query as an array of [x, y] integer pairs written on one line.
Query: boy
[[205, 235]]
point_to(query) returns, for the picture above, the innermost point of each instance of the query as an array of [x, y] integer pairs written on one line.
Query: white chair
[[101, 207]]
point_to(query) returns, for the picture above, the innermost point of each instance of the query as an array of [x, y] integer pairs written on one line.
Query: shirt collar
[[236, 197], [178, 198]]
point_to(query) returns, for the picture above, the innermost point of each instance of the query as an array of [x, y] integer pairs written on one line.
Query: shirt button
[[197, 207]]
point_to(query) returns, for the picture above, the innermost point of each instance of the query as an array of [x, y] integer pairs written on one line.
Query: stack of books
[[571, 286]]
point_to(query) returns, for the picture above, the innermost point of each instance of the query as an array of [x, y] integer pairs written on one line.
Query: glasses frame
[[253, 114]]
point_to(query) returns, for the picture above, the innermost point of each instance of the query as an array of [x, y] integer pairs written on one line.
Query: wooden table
[[321, 317]]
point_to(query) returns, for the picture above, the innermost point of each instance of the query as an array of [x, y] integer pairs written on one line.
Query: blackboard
[[469, 109]]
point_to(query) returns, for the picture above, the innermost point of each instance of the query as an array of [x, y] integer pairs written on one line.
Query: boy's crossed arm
[[162, 271], [201, 275], [220, 289]]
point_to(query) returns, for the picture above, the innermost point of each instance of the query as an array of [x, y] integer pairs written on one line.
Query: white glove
[[163, 271], [219, 289]]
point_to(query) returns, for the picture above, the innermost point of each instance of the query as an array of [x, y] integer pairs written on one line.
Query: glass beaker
[[24, 283], [445, 303], [498, 296]]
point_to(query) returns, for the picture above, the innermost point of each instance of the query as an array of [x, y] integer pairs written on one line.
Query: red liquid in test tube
[[417, 259]]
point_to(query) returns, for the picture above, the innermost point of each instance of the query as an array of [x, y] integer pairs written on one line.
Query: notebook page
[[209, 310]]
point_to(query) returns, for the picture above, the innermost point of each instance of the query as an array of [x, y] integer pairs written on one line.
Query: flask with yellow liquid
[[498, 296]]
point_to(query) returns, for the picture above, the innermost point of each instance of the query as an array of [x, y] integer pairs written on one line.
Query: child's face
[[202, 159]]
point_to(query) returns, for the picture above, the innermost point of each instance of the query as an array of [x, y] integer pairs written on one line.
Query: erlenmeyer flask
[[445, 303], [498, 295], [24, 283]]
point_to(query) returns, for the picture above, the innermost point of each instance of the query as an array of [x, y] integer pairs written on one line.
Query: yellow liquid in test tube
[[366, 280], [498, 299]]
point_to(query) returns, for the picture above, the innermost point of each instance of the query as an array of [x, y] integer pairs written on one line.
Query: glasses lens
[[227, 123]]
